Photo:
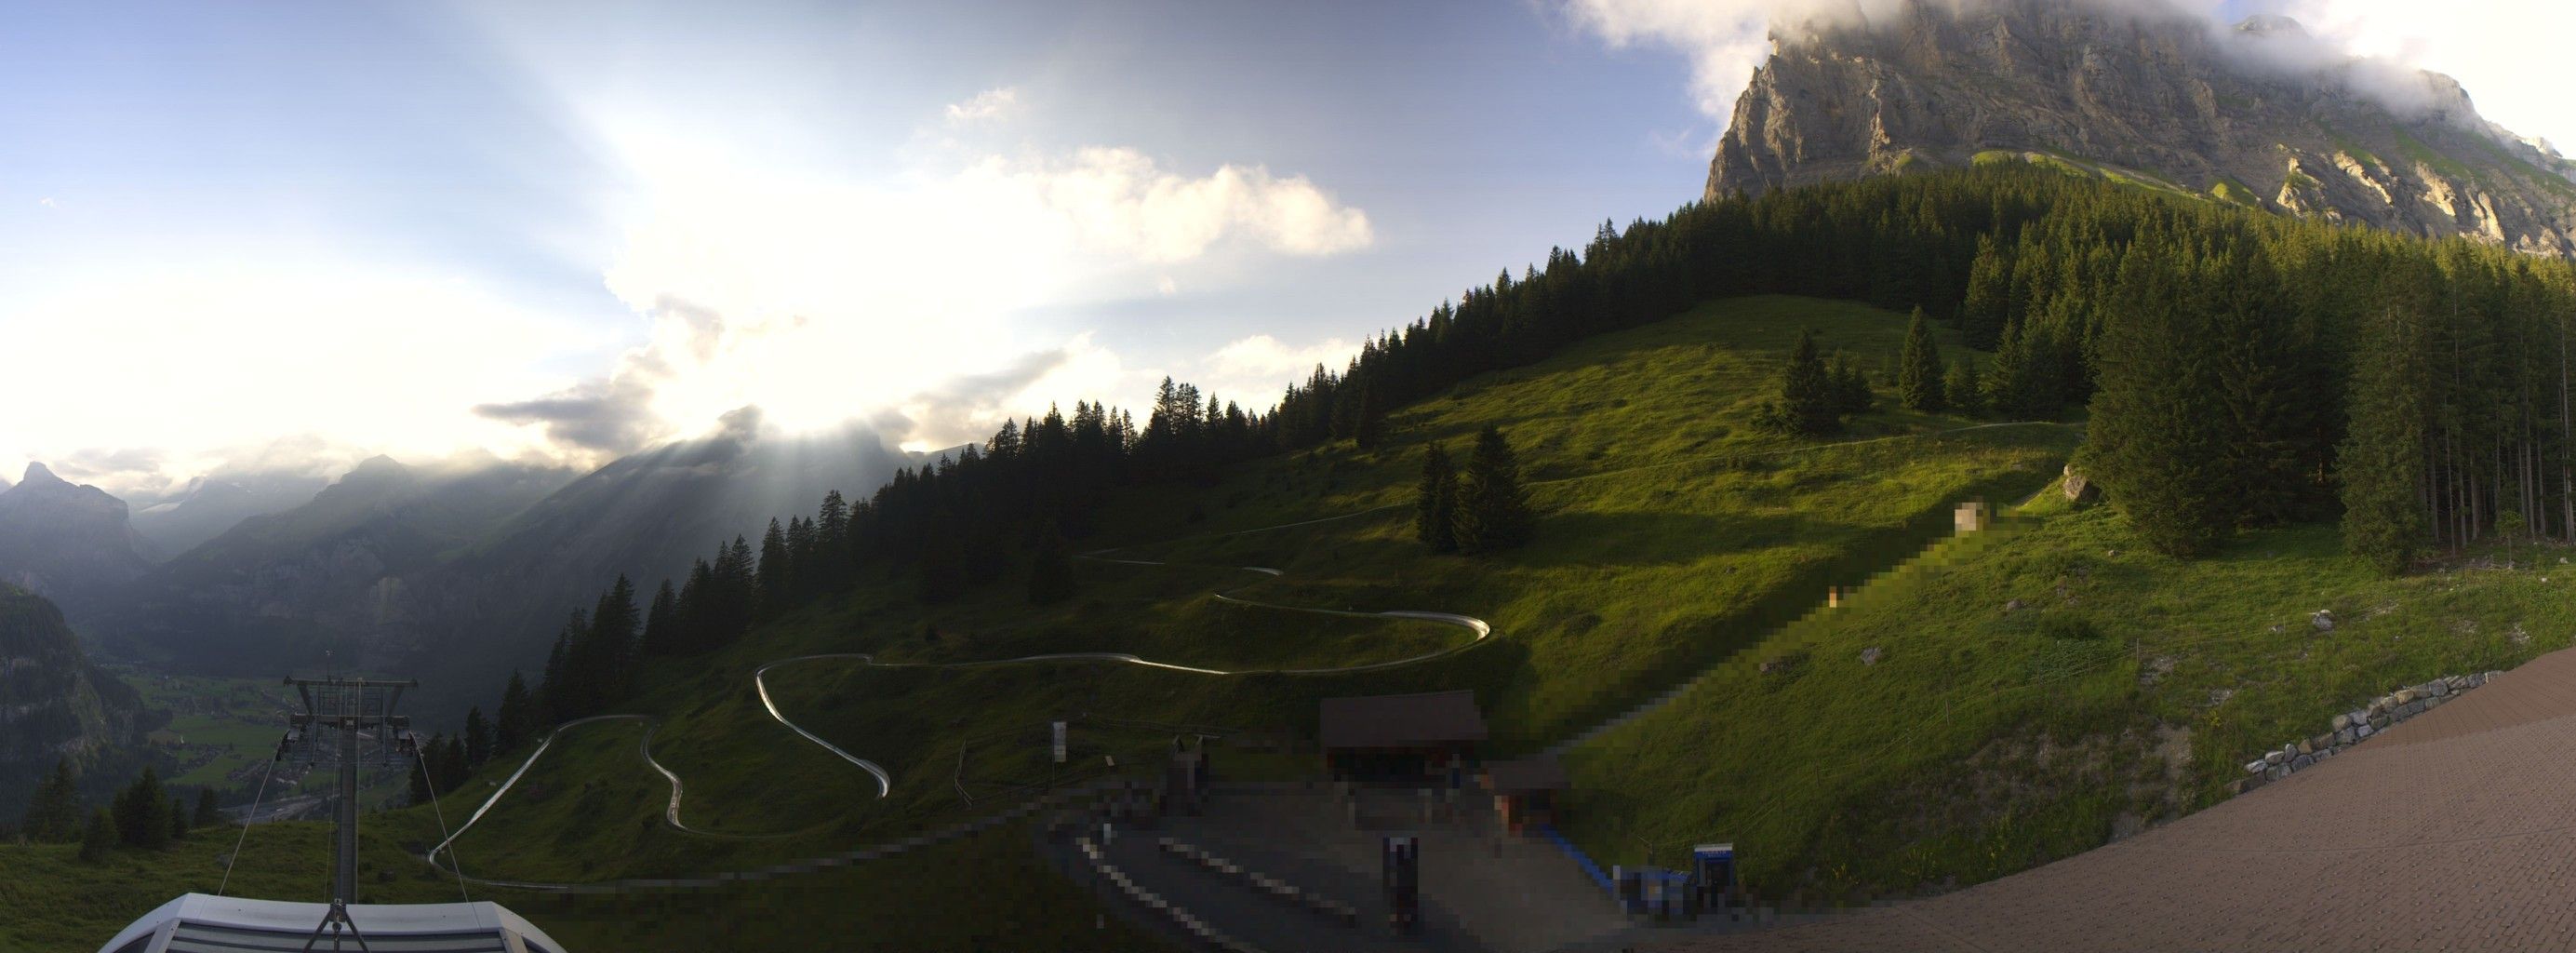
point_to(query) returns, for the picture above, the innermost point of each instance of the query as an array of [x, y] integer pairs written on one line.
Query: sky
[[245, 235]]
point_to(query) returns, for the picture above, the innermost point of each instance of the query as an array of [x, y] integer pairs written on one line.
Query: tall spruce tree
[[478, 737], [2383, 449], [1050, 568], [516, 723], [775, 572], [1808, 404], [1851, 386], [1961, 389], [1493, 509], [98, 836], [54, 812], [1435, 517], [661, 623], [2159, 429], [143, 812], [1370, 429], [208, 812], [1918, 369]]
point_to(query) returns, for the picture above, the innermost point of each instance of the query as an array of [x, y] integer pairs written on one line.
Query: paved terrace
[[2455, 830]]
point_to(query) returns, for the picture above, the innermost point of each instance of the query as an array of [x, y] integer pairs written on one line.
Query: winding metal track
[[885, 781]]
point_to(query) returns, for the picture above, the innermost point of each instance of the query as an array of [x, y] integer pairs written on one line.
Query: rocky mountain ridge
[[2259, 115], [70, 543]]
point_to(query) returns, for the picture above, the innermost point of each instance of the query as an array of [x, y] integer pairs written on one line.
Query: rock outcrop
[[53, 702], [2257, 116]]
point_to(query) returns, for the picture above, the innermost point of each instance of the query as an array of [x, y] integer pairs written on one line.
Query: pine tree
[[1851, 386], [2158, 431], [97, 837], [1807, 405], [773, 572], [1051, 570], [178, 818], [1435, 505], [420, 774], [2026, 378], [2383, 450], [1918, 369], [142, 813], [606, 658], [661, 623], [54, 812], [517, 722], [1962, 391], [478, 738], [1370, 429], [1493, 509], [208, 813]]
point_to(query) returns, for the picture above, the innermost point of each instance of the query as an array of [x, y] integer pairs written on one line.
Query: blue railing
[[1590, 869]]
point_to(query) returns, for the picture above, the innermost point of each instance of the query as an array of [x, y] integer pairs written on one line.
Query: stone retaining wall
[[2351, 727]]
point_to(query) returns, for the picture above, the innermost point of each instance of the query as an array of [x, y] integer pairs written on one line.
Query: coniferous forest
[[2235, 368]]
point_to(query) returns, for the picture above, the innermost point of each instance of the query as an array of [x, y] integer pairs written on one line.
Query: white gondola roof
[[197, 923]]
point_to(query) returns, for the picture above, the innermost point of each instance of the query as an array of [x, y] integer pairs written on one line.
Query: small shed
[[1400, 737], [166, 738], [1525, 791]]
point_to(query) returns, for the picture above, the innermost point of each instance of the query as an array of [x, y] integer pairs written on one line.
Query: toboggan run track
[[885, 781]]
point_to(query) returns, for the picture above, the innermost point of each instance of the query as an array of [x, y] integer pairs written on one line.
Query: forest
[[2235, 368]]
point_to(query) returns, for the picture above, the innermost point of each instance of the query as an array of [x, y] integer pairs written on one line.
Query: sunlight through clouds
[[819, 299]]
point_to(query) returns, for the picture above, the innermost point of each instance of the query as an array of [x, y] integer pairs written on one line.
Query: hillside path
[[2453, 830]]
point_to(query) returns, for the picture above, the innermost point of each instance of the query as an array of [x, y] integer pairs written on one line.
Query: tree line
[[2239, 369], [144, 814]]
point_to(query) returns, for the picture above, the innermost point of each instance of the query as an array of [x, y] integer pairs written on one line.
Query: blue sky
[[244, 233]]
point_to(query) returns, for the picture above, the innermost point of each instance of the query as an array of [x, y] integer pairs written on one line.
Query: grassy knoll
[[1670, 537], [2127, 688]]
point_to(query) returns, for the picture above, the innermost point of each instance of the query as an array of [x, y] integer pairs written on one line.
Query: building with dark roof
[[1400, 737]]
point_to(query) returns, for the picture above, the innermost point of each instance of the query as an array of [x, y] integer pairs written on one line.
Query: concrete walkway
[[2455, 830]]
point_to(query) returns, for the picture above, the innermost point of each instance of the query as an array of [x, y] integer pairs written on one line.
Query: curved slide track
[[1481, 630]]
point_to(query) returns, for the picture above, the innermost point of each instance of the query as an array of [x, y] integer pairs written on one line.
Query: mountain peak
[[2271, 25], [38, 475], [2261, 115]]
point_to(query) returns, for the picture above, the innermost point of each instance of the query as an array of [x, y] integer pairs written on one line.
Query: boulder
[[2322, 621], [2080, 489], [1869, 656]]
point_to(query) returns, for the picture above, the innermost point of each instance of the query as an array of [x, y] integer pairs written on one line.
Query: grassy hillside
[[1671, 536], [2127, 687]]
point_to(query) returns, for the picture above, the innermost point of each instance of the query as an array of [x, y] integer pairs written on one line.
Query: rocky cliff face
[[69, 543], [2256, 115], [53, 702]]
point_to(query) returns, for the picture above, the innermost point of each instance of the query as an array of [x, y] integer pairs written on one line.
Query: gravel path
[[2453, 830]]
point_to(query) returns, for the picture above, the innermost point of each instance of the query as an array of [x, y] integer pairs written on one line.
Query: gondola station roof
[[198, 923]]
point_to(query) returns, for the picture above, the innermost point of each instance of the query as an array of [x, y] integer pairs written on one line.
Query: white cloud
[[1724, 40], [2506, 52], [47, 202], [175, 363], [820, 298], [1254, 371], [2509, 54], [987, 106]]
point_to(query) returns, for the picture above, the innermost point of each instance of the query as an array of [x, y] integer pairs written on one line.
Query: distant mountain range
[[2260, 115], [69, 543], [209, 505], [452, 575]]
